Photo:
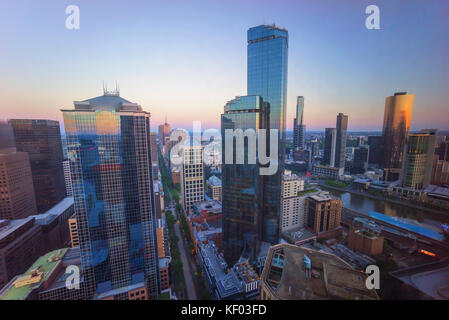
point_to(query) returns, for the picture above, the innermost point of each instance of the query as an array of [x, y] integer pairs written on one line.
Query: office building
[[396, 126], [364, 237], [267, 78], [297, 273], [192, 177], [330, 146], [340, 146], [327, 172], [6, 136], [55, 226], [153, 147], [158, 199], [163, 133], [67, 178], [443, 149], [417, 165], [41, 139], [109, 148], [299, 128], [360, 161], [214, 184], [242, 184], [20, 245], [74, 235], [17, 197], [291, 214], [440, 172], [322, 212], [46, 279], [375, 149]]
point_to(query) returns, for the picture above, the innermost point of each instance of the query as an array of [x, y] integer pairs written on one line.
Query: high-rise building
[[153, 142], [396, 126], [41, 139], [16, 185], [192, 177], [241, 183], [109, 149], [360, 161], [67, 177], [299, 128], [440, 172], [291, 214], [267, 78], [340, 147], [375, 149], [417, 165], [330, 145], [323, 212], [164, 133], [443, 149], [6, 136]]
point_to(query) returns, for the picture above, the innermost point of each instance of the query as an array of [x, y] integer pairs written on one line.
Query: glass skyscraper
[[41, 139], [299, 128], [108, 146], [242, 185], [267, 77]]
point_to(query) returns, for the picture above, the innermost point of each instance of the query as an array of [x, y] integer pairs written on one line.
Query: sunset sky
[[186, 59]]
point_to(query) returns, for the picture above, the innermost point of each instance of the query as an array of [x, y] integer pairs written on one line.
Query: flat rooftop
[[329, 277], [41, 270], [7, 227], [431, 279]]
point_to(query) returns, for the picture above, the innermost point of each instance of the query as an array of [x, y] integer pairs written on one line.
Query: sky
[[185, 59]]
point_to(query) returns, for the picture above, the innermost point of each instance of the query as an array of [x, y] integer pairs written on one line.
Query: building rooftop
[[54, 212], [21, 286], [7, 227], [298, 273], [431, 279], [214, 181]]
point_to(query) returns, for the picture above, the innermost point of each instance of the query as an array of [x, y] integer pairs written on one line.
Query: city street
[[191, 293]]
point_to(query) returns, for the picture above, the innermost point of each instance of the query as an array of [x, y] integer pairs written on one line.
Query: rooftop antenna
[[117, 89], [165, 118], [105, 90]]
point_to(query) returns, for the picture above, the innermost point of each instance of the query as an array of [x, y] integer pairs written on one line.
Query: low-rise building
[[46, 279], [298, 273], [20, 245], [238, 282], [327, 172], [214, 184]]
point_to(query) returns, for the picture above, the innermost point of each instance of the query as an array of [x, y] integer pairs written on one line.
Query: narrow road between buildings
[[191, 293]]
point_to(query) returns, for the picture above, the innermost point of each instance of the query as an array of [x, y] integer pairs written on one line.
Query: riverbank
[[403, 203]]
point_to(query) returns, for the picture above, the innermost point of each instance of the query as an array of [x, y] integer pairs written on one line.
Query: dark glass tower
[[267, 77], [41, 139], [242, 185], [108, 145], [299, 129]]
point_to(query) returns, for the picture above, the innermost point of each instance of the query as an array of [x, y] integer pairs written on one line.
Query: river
[[365, 205]]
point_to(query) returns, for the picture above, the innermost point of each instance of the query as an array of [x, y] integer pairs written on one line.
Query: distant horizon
[[184, 61]]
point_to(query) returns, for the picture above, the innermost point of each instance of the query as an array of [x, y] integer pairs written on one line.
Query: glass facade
[[299, 134], [396, 126], [242, 185], [41, 139], [267, 77], [108, 146]]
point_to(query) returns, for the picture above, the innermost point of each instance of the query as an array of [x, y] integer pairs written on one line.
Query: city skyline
[[364, 67]]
